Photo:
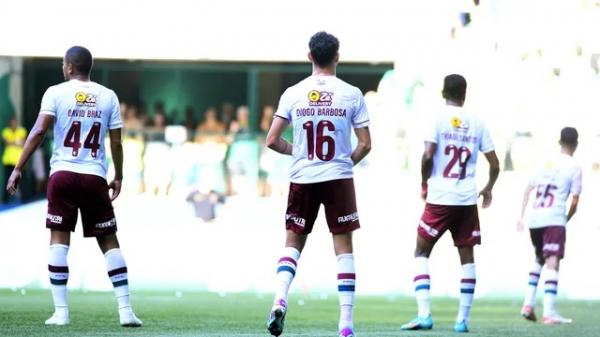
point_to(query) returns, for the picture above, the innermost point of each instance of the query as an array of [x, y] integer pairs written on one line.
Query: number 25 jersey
[[83, 113], [323, 110], [552, 184], [459, 136]]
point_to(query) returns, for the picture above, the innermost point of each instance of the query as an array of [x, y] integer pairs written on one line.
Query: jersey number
[[460, 156], [544, 196], [320, 141], [92, 141]]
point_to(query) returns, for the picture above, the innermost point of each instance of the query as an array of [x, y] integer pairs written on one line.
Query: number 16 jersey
[[83, 113], [459, 136], [323, 110]]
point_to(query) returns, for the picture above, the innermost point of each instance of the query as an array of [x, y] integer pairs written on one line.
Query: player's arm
[[573, 208], [521, 222], [274, 140], [116, 150], [364, 144], [494, 171], [427, 166], [35, 138]]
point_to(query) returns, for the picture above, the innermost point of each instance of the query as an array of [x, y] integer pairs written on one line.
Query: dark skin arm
[[573, 208], [274, 140], [35, 138], [427, 166], [364, 145], [486, 192], [116, 150]]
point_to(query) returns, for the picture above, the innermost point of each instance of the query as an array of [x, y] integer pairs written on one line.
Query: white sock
[[58, 271], [286, 270], [534, 278], [550, 291], [117, 272], [422, 283], [346, 287], [467, 292]]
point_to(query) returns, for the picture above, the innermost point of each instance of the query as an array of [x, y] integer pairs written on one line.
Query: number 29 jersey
[[83, 113], [459, 136], [552, 184], [323, 110]]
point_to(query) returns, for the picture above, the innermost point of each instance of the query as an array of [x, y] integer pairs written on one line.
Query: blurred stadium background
[[203, 202]]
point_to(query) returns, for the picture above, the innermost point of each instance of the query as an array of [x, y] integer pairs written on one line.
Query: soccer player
[[82, 113], [448, 185], [553, 184], [323, 111]]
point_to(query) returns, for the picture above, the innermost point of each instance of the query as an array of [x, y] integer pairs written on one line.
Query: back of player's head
[[569, 136], [455, 88], [81, 60], [323, 48]]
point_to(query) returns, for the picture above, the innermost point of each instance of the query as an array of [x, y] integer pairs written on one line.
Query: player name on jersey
[[84, 113], [331, 112]]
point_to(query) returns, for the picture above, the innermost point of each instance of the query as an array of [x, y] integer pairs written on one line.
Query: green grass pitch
[[208, 314]]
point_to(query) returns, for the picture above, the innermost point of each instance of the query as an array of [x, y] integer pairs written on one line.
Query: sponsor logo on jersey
[[298, 221], [320, 98], [457, 123], [431, 231], [348, 218], [110, 223], [551, 247], [57, 219], [85, 99]]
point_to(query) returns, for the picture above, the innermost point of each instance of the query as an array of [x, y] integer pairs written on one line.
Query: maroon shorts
[[68, 192], [339, 200], [549, 241], [462, 221]]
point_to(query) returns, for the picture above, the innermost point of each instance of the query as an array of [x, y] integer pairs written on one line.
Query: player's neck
[[454, 103], [326, 71], [567, 151], [82, 78]]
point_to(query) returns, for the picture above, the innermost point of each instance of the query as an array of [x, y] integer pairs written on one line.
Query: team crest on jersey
[[457, 123], [85, 99], [319, 98]]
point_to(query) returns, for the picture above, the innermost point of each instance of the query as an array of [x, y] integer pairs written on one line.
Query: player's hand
[[115, 186], [487, 197], [424, 192], [520, 225], [13, 182]]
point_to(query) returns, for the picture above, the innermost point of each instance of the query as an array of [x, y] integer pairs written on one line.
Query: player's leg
[[342, 218], [431, 227], [554, 245], [302, 210], [342, 244], [528, 309], [58, 270]]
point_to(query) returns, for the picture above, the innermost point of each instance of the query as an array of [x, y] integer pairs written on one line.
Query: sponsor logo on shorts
[[319, 98], [348, 218], [551, 247], [57, 219], [110, 223], [476, 234], [431, 231], [298, 221]]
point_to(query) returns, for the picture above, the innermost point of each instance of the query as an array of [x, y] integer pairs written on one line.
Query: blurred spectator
[[211, 123], [242, 162], [131, 122], [266, 118], [227, 110], [205, 204], [240, 125], [157, 164], [13, 137], [190, 120]]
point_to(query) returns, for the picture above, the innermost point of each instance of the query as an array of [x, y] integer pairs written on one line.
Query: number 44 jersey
[[83, 112], [323, 110], [459, 136], [552, 185]]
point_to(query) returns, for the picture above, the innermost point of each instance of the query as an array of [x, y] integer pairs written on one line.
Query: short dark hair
[[323, 48], [569, 136], [81, 59], [455, 87]]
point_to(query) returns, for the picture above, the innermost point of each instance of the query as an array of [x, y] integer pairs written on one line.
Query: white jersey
[[552, 185], [323, 111], [459, 136], [83, 113]]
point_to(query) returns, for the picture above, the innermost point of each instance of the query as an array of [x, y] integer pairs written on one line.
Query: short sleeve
[[360, 115], [486, 144], [576, 182], [48, 106], [115, 121], [284, 110]]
